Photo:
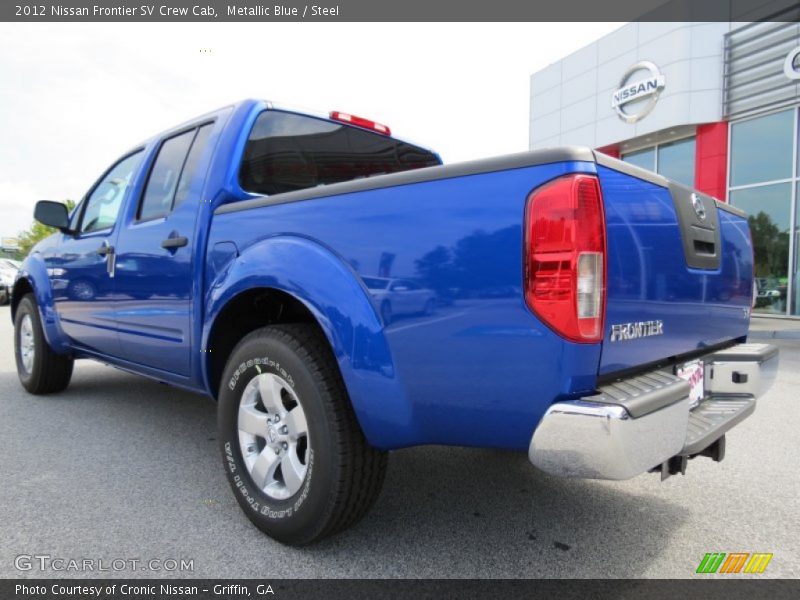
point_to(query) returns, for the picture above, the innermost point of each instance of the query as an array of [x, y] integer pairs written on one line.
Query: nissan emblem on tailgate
[[699, 207]]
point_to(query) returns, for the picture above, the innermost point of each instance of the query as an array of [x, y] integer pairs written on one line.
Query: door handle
[[174, 242], [111, 262]]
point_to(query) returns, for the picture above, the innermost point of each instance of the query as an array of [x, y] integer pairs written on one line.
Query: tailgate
[[680, 269]]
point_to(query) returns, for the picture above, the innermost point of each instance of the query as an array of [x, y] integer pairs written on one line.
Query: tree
[[771, 246], [435, 270], [36, 232]]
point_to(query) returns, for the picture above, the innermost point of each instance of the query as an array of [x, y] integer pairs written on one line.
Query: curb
[[792, 334]]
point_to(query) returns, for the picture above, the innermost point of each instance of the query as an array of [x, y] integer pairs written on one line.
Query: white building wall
[[571, 99]]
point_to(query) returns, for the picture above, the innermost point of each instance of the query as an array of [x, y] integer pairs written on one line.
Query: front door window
[[103, 204]]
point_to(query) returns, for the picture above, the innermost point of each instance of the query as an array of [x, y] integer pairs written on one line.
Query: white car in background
[[393, 297], [8, 272]]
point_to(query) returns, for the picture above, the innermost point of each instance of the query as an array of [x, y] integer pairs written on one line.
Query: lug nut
[[284, 445], [284, 429], [277, 418]]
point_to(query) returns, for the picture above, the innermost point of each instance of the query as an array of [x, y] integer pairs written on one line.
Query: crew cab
[[578, 308]]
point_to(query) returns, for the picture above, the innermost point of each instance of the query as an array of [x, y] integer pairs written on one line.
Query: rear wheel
[[40, 370], [293, 451]]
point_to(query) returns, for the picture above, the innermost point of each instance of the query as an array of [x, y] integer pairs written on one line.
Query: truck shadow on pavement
[[463, 512], [151, 452]]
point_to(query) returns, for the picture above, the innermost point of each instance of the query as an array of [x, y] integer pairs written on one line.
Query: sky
[[74, 97]]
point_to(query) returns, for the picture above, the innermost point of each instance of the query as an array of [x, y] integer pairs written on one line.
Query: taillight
[[360, 122], [565, 257]]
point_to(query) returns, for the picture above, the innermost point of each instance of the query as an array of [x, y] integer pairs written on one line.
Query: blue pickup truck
[[340, 293]]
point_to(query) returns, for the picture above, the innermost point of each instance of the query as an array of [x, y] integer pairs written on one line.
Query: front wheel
[[293, 451], [40, 370]]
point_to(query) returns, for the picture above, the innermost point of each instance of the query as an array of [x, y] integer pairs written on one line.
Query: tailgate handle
[[699, 224], [704, 241], [704, 248]]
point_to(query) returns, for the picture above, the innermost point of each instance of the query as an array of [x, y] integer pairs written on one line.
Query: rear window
[[287, 152]]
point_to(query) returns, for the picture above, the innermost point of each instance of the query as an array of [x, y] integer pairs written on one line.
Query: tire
[[40, 370], [386, 312], [322, 486]]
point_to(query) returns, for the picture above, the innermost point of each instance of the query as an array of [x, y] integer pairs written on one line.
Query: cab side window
[[173, 172], [164, 176], [192, 164], [103, 203]]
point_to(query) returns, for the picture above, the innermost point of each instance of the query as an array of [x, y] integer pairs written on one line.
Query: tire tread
[[51, 372], [363, 468]]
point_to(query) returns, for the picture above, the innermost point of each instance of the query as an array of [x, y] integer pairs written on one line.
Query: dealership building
[[711, 105]]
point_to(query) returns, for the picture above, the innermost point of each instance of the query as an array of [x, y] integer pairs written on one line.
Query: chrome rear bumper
[[639, 423]]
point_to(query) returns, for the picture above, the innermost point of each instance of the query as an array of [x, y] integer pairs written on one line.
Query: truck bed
[[458, 231]]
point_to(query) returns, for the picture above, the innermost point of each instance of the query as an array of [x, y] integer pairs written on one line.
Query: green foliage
[[463, 271], [36, 232], [771, 246]]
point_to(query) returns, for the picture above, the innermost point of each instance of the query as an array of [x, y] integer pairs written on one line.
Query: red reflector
[[360, 122], [565, 257]]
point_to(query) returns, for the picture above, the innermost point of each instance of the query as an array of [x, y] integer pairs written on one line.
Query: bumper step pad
[[644, 423], [712, 418]]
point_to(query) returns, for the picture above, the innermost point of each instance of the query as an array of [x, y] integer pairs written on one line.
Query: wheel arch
[[294, 279], [33, 279], [245, 312], [22, 287]]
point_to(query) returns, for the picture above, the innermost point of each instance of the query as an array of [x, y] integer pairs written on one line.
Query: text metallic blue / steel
[[648, 278]]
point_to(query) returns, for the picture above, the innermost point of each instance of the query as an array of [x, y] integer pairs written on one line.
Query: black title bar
[[733, 588], [399, 10]]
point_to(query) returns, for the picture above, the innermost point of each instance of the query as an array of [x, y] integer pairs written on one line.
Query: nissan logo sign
[[791, 66], [633, 91]]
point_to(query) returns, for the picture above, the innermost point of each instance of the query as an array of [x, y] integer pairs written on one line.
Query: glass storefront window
[[769, 210], [642, 158], [761, 149], [676, 161], [796, 267]]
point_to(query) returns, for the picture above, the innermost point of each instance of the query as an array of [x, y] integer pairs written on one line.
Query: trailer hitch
[[677, 464]]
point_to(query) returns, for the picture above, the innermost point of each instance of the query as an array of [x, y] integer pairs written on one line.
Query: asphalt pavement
[[118, 467]]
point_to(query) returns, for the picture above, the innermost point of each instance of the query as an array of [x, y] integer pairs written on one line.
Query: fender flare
[[333, 293], [34, 272]]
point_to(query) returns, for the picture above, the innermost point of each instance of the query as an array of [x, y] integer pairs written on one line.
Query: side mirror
[[52, 214]]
